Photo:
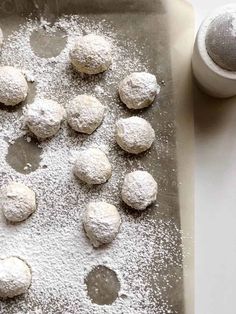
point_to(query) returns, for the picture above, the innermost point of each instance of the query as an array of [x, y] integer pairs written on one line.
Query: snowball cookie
[[138, 90], [43, 117], [101, 223], [17, 202], [91, 54], [92, 166], [13, 86], [135, 135], [85, 113], [139, 189], [15, 277]]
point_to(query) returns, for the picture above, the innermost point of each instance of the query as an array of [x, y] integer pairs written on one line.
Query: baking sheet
[[154, 23]]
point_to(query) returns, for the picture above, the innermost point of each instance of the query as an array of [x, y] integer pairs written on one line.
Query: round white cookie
[[43, 117], [85, 113], [91, 54], [139, 189], [17, 202], [92, 166], [13, 86], [138, 90], [135, 135], [101, 223], [15, 277]]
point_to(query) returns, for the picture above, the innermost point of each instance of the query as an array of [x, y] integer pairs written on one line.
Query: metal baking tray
[[166, 27]]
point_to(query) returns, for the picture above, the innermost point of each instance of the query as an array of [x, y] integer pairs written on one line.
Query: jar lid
[[220, 40]]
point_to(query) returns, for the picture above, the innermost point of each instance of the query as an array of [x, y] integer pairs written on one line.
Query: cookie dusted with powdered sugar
[[138, 90], [92, 166], [134, 135], [17, 201], [91, 54], [13, 86], [101, 222], [44, 117], [139, 189], [15, 277], [85, 113]]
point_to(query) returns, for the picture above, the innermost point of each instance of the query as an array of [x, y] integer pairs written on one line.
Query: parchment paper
[[168, 28]]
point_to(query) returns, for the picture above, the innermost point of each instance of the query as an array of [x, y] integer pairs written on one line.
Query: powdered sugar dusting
[[52, 240]]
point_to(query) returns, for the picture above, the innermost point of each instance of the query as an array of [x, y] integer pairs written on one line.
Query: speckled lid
[[221, 40]]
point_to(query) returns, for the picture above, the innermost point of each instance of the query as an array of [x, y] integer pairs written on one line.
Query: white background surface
[[204, 7], [215, 197]]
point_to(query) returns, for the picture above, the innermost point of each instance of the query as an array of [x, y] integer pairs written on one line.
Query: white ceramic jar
[[214, 56]]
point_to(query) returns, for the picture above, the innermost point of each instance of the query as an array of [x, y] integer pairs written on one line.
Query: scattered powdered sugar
[[52, 240]]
